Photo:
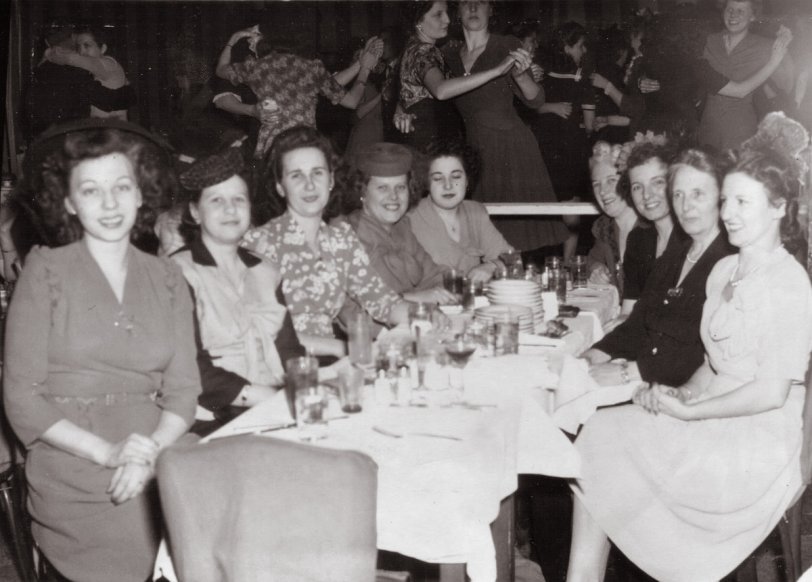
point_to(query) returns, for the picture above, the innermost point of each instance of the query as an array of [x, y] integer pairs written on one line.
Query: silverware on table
[[398, 435]]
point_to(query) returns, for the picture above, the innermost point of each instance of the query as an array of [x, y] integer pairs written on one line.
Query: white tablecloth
[[437, 497]]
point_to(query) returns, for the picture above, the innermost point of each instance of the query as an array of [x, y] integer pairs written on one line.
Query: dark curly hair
[[640, 154], [48, 181], [189, 229], [454, 148], [770, 169], [294, 138]]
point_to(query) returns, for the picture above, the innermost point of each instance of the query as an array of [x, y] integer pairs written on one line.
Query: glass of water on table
[[309, 398]]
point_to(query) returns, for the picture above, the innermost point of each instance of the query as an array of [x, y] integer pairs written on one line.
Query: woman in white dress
[[687, 483]]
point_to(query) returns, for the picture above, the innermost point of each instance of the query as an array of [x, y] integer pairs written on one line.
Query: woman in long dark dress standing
[[100, 359], [564, 138], [512, 167], [424, 112]]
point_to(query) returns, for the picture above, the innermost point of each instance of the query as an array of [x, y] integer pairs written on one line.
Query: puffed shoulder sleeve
[[28, 329], [428, 57], [328, 86], [784, 345], [181, 378]]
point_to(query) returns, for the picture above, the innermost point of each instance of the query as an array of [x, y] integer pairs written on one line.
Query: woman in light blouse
[[456, 232], [244, 332], [321, 265]]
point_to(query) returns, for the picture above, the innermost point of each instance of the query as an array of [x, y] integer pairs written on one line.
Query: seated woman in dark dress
[[99, 372], [660, 342], [644, 185], [243, 329]]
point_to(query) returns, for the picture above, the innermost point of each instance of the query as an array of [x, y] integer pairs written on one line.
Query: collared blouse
[[316, 284], [244, 333]]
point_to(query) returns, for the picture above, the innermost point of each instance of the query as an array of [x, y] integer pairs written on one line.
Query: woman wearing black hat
[[100, 370], [381, 193], [244, 332]]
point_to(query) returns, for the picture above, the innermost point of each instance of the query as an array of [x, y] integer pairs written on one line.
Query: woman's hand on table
[[482, 273], [600, 275], [433, 295], [129, 481], [134, 448]]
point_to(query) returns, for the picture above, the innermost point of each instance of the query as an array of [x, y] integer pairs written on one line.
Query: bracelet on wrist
[[624, 373]]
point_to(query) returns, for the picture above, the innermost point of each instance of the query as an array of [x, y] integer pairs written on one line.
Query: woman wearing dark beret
[[381, 192], [243, 329]]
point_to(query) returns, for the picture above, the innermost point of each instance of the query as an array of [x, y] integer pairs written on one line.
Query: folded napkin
[[579, 396]]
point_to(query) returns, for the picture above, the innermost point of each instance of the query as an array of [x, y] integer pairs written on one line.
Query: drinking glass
[[420, 317], [351, 383], [557, 279], [359, 332], [580, 276], [453, 283], [459, 351], [506, 331], [310, 399]]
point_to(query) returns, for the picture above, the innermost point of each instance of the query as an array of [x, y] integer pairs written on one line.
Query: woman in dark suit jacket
[[660, 342]]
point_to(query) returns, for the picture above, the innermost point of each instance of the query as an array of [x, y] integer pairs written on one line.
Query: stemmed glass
[[459, 351]]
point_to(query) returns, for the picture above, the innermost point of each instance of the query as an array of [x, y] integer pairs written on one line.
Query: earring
[[420, 27], [362, 199]]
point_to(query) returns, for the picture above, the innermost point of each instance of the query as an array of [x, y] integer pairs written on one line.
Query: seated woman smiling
[[660, 339], [244, 332], [688, 500], [321, 265], [456, 232], [383, 186]]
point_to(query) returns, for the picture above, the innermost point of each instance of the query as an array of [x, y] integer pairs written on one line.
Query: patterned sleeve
[[28, 327], [260, 243], [239, 72], [363, 283], [328, 86], [427, 57]]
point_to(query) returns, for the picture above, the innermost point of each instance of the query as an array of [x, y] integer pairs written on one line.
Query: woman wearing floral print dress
[[321, 265]]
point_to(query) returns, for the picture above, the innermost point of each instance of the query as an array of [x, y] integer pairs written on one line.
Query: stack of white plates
[[494, 313], [518, 292]]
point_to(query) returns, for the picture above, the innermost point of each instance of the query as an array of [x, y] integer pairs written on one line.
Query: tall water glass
[[310, 399], [359, 332], [580, 276]]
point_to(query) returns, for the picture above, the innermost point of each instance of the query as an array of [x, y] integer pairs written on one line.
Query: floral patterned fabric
[[293, 83], [316, 284], [418, 58]]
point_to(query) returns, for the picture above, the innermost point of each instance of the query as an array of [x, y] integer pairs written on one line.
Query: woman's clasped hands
[[133, 459], [657, 398]]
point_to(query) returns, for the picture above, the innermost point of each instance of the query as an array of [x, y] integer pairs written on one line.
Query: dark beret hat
[[213, 169], [384, 159]]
